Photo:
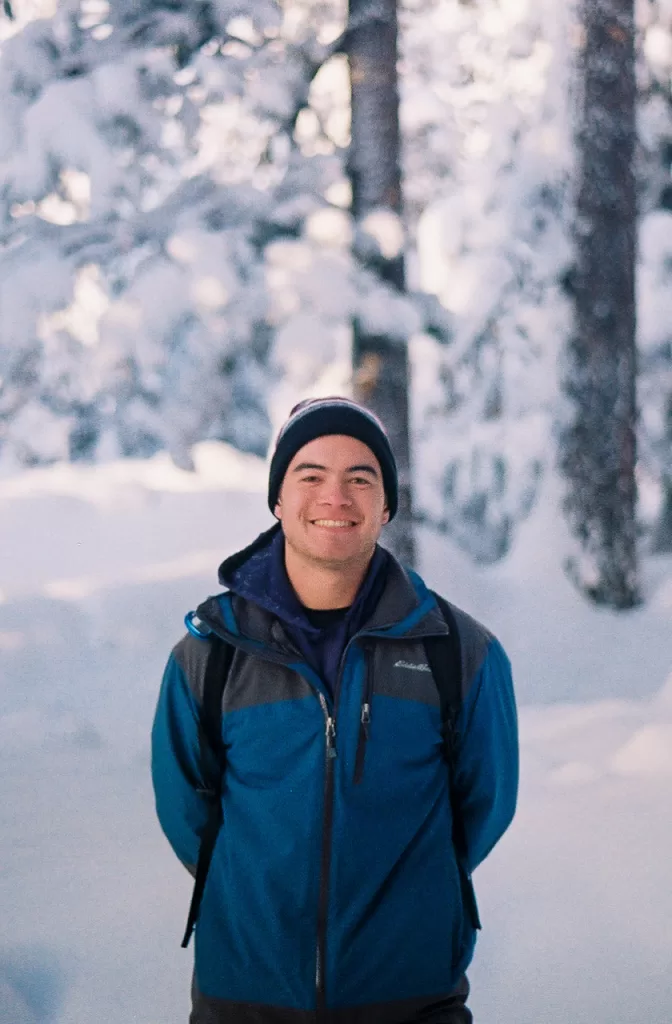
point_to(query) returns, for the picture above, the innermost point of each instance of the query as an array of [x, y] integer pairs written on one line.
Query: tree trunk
[[598, 448], [662, 543], [380, 363], [662, 540]]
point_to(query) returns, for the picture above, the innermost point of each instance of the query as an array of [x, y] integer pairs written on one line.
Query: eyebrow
[[362, 468]]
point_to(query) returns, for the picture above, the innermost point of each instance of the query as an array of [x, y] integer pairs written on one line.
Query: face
[[332, 502]]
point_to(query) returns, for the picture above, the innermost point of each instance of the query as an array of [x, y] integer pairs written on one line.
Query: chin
[[336, 555]]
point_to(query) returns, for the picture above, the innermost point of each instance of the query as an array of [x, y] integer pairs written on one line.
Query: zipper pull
[[331, 738], [364, 721]]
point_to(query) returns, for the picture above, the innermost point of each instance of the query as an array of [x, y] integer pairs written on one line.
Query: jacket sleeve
[[486, 780], [176, 773]]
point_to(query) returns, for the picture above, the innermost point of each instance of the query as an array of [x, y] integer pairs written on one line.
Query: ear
[[386, 515], [277, 511]]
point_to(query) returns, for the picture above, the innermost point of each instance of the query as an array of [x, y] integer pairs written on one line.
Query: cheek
[[375, 509], [294, 507], [381, 507]]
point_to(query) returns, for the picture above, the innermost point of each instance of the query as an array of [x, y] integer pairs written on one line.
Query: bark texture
[[380, 363], [598, 446], [662, 541]]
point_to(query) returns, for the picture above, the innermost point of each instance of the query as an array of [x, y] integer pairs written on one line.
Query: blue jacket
[[330, 888]]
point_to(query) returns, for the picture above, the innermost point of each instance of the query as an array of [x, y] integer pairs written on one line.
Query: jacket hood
[[257, 575]]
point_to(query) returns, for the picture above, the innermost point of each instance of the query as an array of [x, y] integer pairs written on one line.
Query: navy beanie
[[319, 417]]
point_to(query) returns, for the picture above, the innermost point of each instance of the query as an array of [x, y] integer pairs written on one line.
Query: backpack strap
[[444, 656], [213, 764]]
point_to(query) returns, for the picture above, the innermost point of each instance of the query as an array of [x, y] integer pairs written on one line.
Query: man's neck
[[323, 587]]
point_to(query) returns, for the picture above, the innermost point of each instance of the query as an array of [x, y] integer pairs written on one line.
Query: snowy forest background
[[179, 260], [182, 257]]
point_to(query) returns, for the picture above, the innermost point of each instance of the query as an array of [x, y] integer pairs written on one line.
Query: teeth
[[333, 522]]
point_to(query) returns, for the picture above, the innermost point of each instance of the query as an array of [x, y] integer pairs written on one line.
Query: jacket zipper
[[364, 720], [330, 754]]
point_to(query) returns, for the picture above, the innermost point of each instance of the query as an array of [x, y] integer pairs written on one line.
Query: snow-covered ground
[[97, 568]]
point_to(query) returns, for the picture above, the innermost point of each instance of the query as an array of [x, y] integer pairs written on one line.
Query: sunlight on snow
[[218, 467], [82, 318], [387, 229], [25, 11], [108, 560]]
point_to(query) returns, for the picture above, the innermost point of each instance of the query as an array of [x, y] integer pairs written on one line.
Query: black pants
[[453, 1010]]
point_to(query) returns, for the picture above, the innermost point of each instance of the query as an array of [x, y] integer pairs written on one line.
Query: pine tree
[[380, 354], [148, 158], [598, 443], [662, 539], [180, 165]]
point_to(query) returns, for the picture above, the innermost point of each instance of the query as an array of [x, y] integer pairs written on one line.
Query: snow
[[386, 228], [118, 325], [654, 305], [330, 227], [658, 48], [384, 311], [99, 565], [33, 421]]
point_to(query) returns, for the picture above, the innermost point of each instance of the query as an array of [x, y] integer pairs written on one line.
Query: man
[[335, 892]]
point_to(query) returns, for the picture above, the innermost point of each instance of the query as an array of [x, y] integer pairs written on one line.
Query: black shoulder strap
[[444, 655], [213, 763]]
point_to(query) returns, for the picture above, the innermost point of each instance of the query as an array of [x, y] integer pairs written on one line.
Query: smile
[[333, 523]]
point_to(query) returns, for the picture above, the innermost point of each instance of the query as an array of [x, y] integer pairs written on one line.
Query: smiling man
[[339, 887]]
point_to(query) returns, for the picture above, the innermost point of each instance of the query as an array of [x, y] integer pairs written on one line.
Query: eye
[[361, 480]]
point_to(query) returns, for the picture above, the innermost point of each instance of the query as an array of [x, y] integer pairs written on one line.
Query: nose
[[335, 492]]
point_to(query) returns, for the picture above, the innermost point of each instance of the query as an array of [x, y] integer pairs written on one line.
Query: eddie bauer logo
[[409, 664]]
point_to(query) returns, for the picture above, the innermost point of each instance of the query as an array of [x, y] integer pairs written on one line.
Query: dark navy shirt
[[323, 618]]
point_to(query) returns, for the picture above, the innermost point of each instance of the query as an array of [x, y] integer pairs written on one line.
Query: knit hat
[[320, 417]]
